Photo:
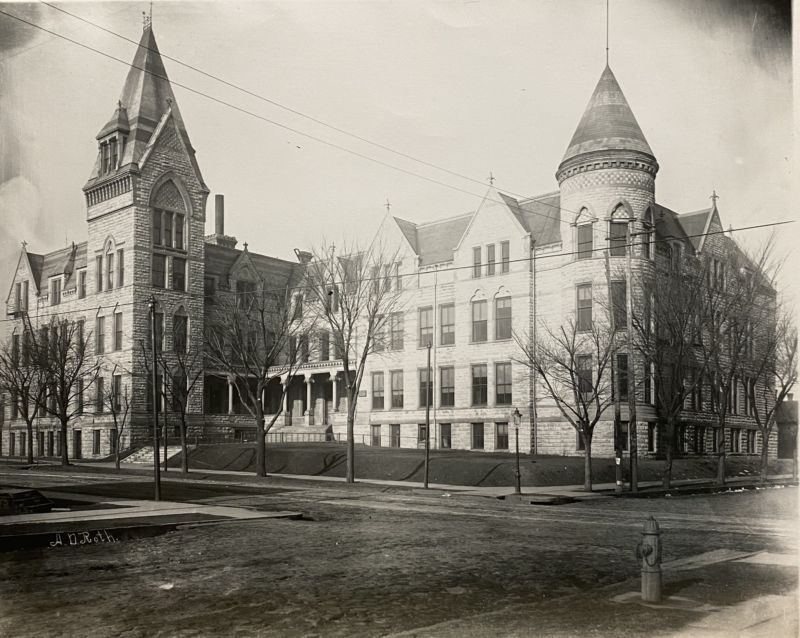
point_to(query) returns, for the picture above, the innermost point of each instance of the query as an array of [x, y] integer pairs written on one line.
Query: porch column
[[335, 393], [230, 396], [309, 406], [285, 383]]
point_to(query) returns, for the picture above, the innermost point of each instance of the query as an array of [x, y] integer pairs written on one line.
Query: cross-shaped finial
[[491, 179], [147, 20], [169, 101], [388, 205], [119, 104], [245, 246], [714, 197], [24, 243]]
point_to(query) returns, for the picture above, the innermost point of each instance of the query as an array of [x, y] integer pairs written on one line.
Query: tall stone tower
[[146, 203], [609, 170]]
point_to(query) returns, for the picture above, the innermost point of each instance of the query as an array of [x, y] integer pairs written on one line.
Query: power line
[[98, 308], [289, 128]]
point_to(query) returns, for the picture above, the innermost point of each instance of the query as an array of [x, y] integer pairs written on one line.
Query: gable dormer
[[112, 139]]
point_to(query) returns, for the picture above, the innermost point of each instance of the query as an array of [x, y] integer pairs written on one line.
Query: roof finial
[[245, 246], [147, 20], [169, 102], [714, 197], [388, 205], [491, 179], [607, 1], [24, 244]]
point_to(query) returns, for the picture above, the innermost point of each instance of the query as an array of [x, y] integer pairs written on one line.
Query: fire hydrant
[[648, 552]]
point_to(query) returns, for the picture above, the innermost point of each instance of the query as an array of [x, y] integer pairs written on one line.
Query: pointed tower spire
[[607, 126]]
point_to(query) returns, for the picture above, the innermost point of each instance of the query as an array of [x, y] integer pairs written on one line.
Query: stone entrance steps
[[145, 455]]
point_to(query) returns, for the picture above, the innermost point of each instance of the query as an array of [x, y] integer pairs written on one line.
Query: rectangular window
[[585, 241], [425, 388], [447, 323], [324, 346], [651, 436], [113, 437], [751, 441], [209, 289], [167, 229], [396, 331], [584, 372], [477, 436], [99, 273], [397, 388], [479, 321], [619, 304], [736, 440], [160, 271], [18, 296], [447, 387], [118, 331], [624, 435], [476, 262], [622, 376], [375, 435], [501, 436], [502, 318], [503, 383], [479, 384], [109, 271], [445, 438], [157, 241], [113, 148], [425, 326], [395, 432], [179, 221], [648, 384], [80, 396], [81, 284], [95, 442], [120, 268], [77, 444], [116, 391], [377, 390], [178, 273], [422, 434], [98, 396], [159, 331], [490, 259], [55, 292], [100, 336], [23, 443], [180, 333], [12, 444], [584, 318], [618, 232], [504, 256], [25, 296]]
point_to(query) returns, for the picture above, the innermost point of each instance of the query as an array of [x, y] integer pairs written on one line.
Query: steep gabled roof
[[695, 224], [540, 216], [436, 241], [221, 260], [608, 122], [667, 224], [409, 231]]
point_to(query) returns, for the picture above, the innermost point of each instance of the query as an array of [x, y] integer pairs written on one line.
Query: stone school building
[[469, 283]]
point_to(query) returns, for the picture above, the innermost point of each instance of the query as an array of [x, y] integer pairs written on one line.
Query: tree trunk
[[721, 457], [795, 464], [764, 456], [116, 454], [261, 447], [184, 447], [64, 455], [165, 438], [587, 462], [30, 443], [667, 477], [350, 474]]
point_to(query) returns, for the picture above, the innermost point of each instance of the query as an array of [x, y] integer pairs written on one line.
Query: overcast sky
[[472, 86]]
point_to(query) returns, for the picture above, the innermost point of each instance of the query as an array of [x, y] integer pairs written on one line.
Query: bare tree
[[117, 402], [573, 363], [355, 295], [21, 378], [182, 370], [667, 327], [249, 339], [63, 354]]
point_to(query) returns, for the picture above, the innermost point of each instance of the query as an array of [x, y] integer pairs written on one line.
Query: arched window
[[169, 238], [180, 332], [585, 234], [647, 237], [618, 231]]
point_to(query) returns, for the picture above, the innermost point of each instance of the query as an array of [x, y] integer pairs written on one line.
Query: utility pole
[[428, 388], [618, 483], [631, 363], [156, 452]]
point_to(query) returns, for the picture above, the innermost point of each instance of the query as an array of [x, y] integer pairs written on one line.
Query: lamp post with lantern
[[517, 420]]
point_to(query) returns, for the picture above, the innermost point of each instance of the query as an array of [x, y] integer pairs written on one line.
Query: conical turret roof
[[608, 123]]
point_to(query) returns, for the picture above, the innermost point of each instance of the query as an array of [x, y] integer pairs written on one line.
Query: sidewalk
[[600, 490]]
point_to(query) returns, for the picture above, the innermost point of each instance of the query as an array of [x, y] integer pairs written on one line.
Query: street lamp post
[[156, 460], [428, 392], [517, 419]]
